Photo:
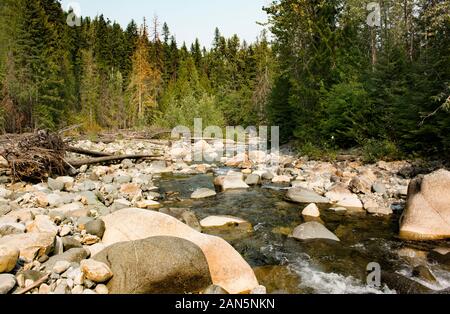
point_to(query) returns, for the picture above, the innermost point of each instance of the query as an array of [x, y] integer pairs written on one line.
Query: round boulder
[[157, 265]]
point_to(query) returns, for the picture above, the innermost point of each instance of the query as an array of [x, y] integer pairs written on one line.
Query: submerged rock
[[313, 230], [203, 193], [300, 195]]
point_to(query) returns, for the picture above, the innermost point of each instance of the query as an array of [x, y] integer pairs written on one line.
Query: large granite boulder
[[427, 214], [227, 267]]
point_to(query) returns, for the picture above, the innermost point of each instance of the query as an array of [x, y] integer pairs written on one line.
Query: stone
[[148, 204], [203, 193], [54, 200], [300, 195], [141, 267], [30, 245], [232, 181], [184, 215], [220, 221], [311, 211], [65, 231], [95, 227], [351, 203], [89, 198], [259, 290], [55, 185], [130, 189], [89, 239], [78, 289], [122, 179], [70, 243], [375, 207], [101, 289], [4, 193], [427, 213], [424, 273], [7, 283], [75, 255], [42, 223], [227, 267], [253, 179], [89, 291], [214, 289], [379, 187], [61, 266], [11, 228], [8, 258], [237, 160], [363, 183], [281, 179], [44, 289], [97, 271], [338, 192], [121, 204], [313, 230], [62, 288]]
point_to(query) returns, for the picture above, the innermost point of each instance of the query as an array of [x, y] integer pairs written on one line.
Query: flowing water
[[287, 265]]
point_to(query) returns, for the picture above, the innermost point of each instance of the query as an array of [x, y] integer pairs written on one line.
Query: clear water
[[286, 265]]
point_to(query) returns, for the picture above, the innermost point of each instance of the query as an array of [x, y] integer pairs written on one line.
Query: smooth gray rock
[[300, 195], [379, 187], [253, 179], [313, 230], [70, 243], [7, 283], [156, 265], [95, 227], [55, 185], [72, 256]]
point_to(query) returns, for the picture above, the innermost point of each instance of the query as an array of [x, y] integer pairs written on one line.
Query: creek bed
[[286, 265]]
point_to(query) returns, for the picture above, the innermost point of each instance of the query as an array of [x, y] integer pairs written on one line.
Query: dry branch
[[82, 151], [93, 161]]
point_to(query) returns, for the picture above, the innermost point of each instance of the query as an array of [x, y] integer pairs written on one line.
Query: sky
[[187, 19]]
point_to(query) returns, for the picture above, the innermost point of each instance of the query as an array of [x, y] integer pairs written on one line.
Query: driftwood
[[35, 156], [86, 152], [93, 161], [34, 285]]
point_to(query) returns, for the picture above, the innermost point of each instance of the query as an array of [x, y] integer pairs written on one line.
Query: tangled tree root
[[35, 156]]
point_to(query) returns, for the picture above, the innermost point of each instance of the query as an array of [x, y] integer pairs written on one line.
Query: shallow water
[[286, 265]]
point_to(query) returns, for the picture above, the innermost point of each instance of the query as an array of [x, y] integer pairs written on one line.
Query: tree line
[[336, 74]]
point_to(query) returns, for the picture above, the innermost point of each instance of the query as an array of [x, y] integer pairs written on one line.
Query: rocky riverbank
[[110, 229]]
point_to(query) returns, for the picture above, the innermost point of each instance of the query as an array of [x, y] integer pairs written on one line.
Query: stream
[[287, 265]]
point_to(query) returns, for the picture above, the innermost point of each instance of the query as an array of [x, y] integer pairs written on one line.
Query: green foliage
[[183, 111], [374, 150]]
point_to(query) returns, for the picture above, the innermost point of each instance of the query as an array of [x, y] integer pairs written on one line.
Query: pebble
[[101, 289], [61, 266], [7, 283]]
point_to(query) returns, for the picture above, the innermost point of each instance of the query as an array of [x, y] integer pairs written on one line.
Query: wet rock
[[338, 192], [97, 271], [214, 289], [281, 179], [376, 206], [148, 204], [300, 195], [402, 284], [228, 269], [424, 273], [438, 257], [7, 283], [140, 267], [253, 179], [278, 279], [185, 215], [227, 227], [232, 181], [203, 193], [313, 230], [427, 214], [8, 258], [95, 227], [30, 245], [311, 211], [352, 203]]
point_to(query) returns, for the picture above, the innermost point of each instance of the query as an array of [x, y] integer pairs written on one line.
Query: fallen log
[[93, 161], [86, 152]]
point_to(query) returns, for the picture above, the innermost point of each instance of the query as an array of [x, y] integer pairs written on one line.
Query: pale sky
[[187, 19]]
